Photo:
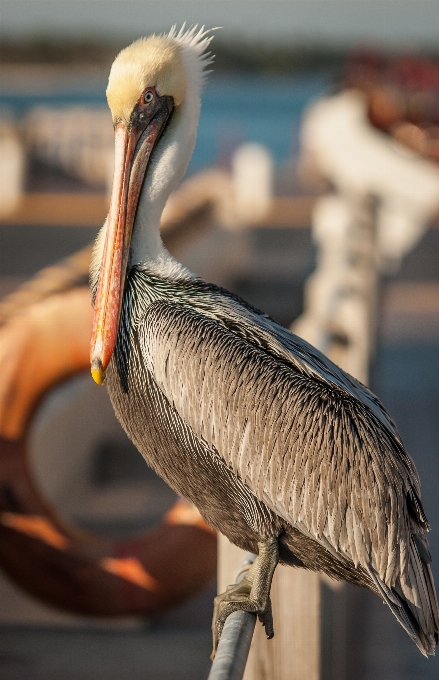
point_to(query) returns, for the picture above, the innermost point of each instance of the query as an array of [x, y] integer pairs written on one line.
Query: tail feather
[[415, 604], [401, 611]]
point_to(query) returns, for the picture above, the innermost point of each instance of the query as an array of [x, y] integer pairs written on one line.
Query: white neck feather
[[167, 167]]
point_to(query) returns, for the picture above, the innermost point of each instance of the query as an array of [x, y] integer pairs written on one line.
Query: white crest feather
[[194, 43]]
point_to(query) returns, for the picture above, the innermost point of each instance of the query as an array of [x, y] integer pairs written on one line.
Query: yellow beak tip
[[98, 375]]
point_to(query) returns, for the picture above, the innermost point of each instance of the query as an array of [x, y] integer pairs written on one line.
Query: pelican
[[281, 451]]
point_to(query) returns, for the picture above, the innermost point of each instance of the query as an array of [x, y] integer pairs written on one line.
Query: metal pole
[[234, 645]]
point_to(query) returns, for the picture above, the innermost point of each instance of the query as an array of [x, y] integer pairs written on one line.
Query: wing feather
[[318, 450]]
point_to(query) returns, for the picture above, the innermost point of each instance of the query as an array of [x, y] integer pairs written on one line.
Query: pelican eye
[[148, 97]]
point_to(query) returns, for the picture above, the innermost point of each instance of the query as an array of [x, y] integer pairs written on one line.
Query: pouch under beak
[[133, 148]]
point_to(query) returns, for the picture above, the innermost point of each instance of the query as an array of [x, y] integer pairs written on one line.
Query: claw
[[266, 618]]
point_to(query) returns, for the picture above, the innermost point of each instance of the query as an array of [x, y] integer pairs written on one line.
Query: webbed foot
[[251, 594]]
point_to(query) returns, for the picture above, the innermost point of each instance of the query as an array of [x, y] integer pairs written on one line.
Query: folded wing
[[308, 440]]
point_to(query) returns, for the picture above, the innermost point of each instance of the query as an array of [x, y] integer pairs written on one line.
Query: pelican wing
[[307, 439]]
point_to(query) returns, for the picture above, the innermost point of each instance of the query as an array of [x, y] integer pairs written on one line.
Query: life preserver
[[42, 343]]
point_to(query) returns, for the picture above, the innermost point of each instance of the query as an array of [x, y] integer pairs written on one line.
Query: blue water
[[256, 109], [235, 109]]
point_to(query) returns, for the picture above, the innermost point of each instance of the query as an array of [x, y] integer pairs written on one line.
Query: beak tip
[[97, 371]]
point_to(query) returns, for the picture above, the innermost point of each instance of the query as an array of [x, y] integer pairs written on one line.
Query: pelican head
[[154, 96]]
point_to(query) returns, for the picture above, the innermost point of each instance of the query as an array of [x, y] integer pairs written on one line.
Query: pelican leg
[[251, 594]]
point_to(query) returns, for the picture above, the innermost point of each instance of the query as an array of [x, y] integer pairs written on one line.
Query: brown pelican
[[283, 452]]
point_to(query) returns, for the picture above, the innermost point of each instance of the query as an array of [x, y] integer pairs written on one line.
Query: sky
[[407, 23]]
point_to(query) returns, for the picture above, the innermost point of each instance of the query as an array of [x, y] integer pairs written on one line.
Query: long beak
[[133, 151]]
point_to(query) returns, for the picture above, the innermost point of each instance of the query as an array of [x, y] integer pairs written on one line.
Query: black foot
[[252, 594]]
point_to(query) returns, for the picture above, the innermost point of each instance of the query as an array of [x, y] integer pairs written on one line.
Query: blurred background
[[313, 192]]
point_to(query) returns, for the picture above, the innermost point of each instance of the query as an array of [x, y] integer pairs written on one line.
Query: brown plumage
[[268, 437]]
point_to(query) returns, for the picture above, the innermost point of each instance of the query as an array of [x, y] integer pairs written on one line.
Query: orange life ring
[[41, 344]]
